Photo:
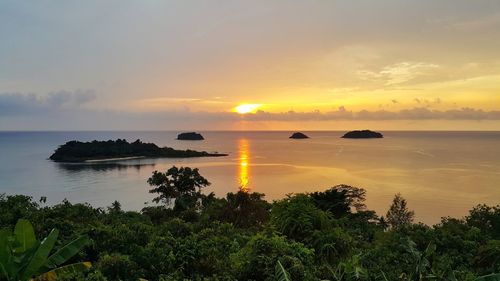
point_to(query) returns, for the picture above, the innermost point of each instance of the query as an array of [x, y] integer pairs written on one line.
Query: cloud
[[67, 105], [417, 113], [29, 103], [428, 102], [399, 73], [88, 119]]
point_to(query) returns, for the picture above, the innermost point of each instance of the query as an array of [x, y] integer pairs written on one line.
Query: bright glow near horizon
[[247, 108]]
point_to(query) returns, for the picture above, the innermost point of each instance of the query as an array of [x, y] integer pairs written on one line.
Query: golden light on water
[[243, 173], [247, 108]]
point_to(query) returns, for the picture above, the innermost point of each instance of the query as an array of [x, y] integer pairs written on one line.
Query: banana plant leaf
[[25, 236], [67, 252], [55, 273], [490, 277], [39, 258]]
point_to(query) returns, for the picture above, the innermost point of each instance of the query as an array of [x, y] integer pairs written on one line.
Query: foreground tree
[[183, 185], [245, 209], [340, 200], [486, 218], [398, 214], [257, 259], [297, 217], [22, 257]]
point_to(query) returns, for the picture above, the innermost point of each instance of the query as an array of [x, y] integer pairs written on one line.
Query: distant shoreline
[[113, 159]]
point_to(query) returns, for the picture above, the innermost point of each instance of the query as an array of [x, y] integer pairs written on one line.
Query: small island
[[190, 136], [298, 135], [362, 134], [77, 152]]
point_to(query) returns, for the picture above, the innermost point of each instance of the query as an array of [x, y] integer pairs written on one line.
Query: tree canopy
[[194, 235], [76, 151], [398, 214]]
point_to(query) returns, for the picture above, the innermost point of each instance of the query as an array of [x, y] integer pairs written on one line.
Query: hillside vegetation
[[329, 235], [76, 151]]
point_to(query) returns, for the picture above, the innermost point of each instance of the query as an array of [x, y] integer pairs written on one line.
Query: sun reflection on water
[[243, 172]]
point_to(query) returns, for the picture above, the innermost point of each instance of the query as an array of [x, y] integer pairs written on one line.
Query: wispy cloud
[[30, 103], [42, 118], [399, 73], [417, 113], [65, 105]]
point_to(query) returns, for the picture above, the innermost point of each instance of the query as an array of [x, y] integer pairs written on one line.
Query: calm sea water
[[440, 173]]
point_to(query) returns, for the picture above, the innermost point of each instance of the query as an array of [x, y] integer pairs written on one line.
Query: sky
[[186, 65]]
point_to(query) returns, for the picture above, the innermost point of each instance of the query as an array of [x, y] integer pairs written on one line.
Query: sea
[[441, 174]]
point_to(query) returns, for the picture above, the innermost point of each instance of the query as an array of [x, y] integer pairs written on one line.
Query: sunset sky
[[326, 65]]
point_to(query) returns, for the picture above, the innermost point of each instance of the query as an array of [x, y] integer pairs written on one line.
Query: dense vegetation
[[22, 256], [76, 151], [327, 235]]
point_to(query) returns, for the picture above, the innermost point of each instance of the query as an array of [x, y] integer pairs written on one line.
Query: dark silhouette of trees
[[76, 151], [340, 200], [398, 214], [183, 185], [297, 217], [486, 218], [245, 209], [116, 207]]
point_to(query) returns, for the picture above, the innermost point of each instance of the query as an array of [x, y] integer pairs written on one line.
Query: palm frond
[[280, 273]]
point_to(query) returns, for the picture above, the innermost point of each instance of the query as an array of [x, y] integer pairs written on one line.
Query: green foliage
[[23, 257], [76, 151], [421, 263], [243, 209], [24, 235], [340, 200], [14, 207], [118, 267], [323, 235], [183, 185], [457, 244], [349, 270], [58, 273], [257, 259], [297, 217], [398, 214], [489, 277], [487, 219], [280, 273], [66, 252], [331, 245], [488, 257]]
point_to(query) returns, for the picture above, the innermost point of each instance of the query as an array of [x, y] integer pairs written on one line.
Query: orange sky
[[188, 64]]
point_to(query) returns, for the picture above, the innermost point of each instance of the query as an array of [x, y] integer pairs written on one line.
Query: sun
[[245, 108]]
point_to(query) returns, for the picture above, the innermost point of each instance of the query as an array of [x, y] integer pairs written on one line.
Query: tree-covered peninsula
[[76, 151]]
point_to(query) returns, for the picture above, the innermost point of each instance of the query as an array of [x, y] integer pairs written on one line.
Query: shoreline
[[113, 159], [116, 159]]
